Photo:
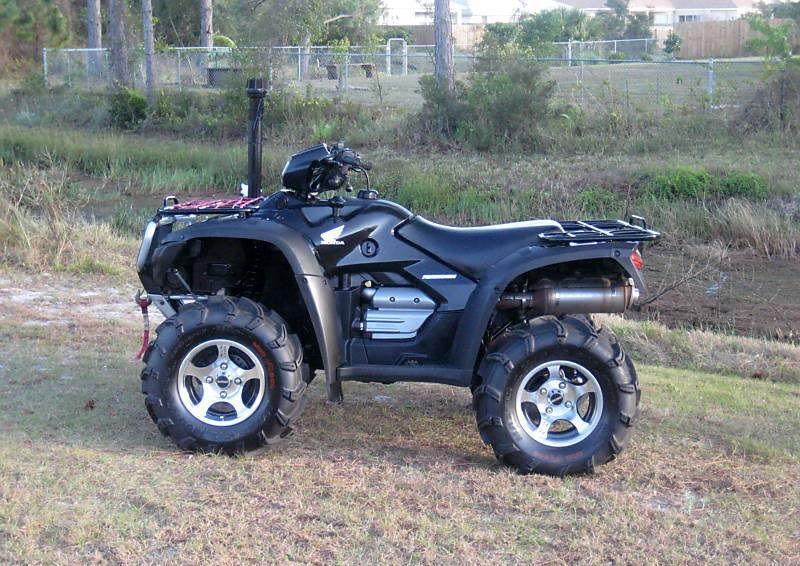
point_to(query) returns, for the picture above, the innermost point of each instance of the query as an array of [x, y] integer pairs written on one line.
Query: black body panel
[[473, 250]]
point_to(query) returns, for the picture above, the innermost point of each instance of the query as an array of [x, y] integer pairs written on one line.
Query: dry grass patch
[[758, 358], [395, 475], [41, 227]]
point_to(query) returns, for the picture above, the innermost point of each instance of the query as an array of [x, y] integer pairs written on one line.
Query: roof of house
[[656, 5], [585, 4], [704, 4]]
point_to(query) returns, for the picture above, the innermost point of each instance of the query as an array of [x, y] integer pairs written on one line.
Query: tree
[[773, 43], [35, 23], [149, 49], [556, 25], [94, 35], [782, 10], [206, 23], [94, 30], [612, 23], [120, 66], [637, 26], [359, 27], [443, 34]]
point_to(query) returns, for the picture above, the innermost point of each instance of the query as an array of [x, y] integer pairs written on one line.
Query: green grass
[[155, 164], [741, 195], [399, 478]]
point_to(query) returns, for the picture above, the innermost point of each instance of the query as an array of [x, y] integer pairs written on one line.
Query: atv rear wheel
[[556, 396], [224, 375]]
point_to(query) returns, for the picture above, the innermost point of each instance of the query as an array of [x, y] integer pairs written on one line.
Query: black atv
[[259, 292]]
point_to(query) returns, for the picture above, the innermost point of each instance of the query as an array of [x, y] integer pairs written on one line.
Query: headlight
[[147, 240]]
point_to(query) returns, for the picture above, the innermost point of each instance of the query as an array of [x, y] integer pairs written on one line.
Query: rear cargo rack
[[244, 205], [592, 231]]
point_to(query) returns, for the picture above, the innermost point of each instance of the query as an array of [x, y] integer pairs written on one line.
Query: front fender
[[314, 288]]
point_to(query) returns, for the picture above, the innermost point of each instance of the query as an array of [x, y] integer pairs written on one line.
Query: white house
[[665, 12], [420, 12], [669, 12]]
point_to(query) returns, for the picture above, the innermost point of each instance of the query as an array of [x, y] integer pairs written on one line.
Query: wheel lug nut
[[562, 385], [209, 379], [548, 410], [543, 391], [568, 405], [223, 394], [238, 381], [223, 366]]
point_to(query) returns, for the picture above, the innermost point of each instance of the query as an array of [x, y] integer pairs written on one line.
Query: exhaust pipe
[[598, 297], [256, 92]]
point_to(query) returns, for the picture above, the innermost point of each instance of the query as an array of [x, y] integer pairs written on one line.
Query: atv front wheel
[[224, 375], [557, 396]]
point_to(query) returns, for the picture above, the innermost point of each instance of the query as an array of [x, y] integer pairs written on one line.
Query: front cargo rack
[[592, 231], [242, 205]]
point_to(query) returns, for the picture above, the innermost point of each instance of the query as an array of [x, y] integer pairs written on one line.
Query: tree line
[[26, 26]]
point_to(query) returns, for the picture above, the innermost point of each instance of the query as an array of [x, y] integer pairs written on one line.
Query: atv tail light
[[636, 260]]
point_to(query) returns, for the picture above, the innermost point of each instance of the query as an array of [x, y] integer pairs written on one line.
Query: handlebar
[[349, 158], [334, 170]]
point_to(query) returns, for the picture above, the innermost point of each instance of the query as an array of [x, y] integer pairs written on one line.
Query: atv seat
[[473, 250]]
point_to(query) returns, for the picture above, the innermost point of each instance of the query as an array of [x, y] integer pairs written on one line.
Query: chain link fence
[[585, 72]]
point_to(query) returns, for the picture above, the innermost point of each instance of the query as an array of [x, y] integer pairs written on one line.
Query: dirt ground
[[741, 292]]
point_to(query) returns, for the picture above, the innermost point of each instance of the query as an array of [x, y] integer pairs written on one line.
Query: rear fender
[[483, 300], [314, 287]]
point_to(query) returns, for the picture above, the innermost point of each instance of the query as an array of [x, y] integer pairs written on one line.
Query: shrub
[[748, 185], [775, 106], [672, 45], [223, 41], [616, 57], [507, 100], [678, 182], [127, 108], [32, 82], [598, 201]]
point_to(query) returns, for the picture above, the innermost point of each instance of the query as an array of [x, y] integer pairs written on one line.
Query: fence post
[[388, 58], [347, 69], [180, 82], [299, 64], [44, 66], [405, 57], [270, 69], [710, 80]]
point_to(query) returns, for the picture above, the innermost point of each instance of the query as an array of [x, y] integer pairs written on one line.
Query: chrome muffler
[[587, 296]]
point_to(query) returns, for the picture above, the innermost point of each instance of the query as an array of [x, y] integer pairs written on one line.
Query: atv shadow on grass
[[83, 401]]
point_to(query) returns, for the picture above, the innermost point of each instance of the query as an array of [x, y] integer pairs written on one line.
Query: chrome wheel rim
[[221, 382], [559, 403]]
